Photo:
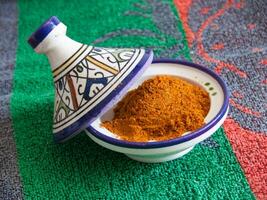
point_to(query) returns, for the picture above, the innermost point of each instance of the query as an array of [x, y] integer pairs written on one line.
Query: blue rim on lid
[[179, 140], [103, 106], [77, 117], [39, 35]]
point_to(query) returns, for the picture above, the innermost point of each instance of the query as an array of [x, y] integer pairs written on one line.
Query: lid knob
[[38, 36]]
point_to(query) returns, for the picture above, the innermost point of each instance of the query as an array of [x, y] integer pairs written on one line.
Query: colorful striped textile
[[227, 36]]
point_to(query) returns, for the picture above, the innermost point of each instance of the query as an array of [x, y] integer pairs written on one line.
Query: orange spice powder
[[162, 108]]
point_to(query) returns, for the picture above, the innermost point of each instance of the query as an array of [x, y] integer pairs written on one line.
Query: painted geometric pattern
[[79, 87]]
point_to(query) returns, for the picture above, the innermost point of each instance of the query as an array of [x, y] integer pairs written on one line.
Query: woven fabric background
[[227, 36], [230, 37]]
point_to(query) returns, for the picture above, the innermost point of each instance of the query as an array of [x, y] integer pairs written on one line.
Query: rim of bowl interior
[[182, 139]]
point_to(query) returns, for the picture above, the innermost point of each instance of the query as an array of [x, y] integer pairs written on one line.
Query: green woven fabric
[[80, 169]]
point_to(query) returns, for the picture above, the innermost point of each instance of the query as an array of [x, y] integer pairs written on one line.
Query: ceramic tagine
[[87, 79]]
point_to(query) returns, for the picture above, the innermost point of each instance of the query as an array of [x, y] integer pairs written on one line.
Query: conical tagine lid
[[87, 79]]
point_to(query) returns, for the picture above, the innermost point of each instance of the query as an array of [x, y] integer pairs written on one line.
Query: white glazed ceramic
[[87, 79], [170, 149]]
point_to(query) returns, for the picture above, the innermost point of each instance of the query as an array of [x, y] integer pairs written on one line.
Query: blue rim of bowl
[[179, 140], [76, 127]]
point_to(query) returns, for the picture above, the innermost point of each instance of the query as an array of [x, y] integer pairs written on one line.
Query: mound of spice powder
[[162, 108]]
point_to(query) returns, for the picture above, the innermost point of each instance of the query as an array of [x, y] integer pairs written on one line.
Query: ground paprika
[[162, 108]]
